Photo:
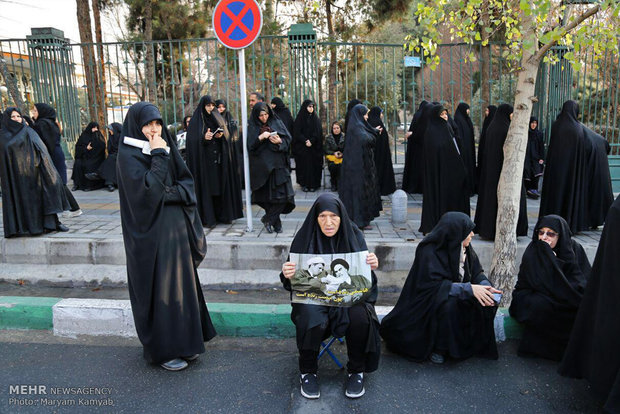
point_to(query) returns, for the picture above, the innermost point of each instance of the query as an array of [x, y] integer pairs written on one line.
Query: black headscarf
[[265, 158], [481, 144], [467, 144], [226, 114], [115, 138], [535, 151], [307, 126], [10, 126], [46, 126], [592, 352], [352, 103], [282, 112]]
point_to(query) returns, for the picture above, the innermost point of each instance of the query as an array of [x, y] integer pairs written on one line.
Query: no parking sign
[[237, 23]]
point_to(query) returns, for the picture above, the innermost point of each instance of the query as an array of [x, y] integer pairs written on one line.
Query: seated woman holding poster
[[447, 305], [327, 236]]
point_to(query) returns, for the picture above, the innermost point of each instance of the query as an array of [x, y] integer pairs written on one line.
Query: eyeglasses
[[551, 234]]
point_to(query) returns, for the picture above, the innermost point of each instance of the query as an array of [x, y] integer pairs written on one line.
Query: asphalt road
[[255, 375]]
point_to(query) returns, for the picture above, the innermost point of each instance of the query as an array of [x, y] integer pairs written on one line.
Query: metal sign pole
[[244, 130]]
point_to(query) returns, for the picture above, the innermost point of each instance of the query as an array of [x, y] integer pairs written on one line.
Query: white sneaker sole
[[355, 395], [310, 397]]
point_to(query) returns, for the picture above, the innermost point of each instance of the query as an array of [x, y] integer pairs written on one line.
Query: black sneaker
[[355, 386], [309, 386], [437, 358]]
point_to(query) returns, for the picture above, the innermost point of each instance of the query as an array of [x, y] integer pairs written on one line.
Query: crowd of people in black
[[447, 306]]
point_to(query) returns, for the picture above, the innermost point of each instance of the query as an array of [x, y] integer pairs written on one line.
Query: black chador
[[577, 184], [445, 177], [467, 144], [211, 163], [489, 114], [307, 147], [89, 154], [164, 243], [314, 323], [107, 169], [358, 185], [32, 192], [383, 154], [437, 311], [235, 140], [270, 177], [592, 351], [486, 208], [49, 132], [350, 106], [413, 173], [534, 154], [549, 289], [282, 112]]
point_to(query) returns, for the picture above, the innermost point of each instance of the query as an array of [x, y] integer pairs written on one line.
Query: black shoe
[[74, 188], [269, 228], [309, 386], [437, 358], [312, 190], [277, 228], [305, 189], [93, 176], [110, 188], [86, 189], [176, 364], [191, 357], [355, 386], [62, 227]]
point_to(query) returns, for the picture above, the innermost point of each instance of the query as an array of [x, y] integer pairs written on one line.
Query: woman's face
[[263, 116], [93, 129], [548, 236], [209, 107], [34, 112], [533, 124], [468, 239], [151, 129], [310, 108], [366, 116], [467, 111], [486, 112], [336, 129], [329, 222], [221, 108], [444, 115], [15, 116]]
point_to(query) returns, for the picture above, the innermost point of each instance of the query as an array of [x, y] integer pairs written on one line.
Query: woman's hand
[[219, 135], [264, 135], [89, 147], [484, 294], [275, 139], [338, 154], [288, 269], [373, 261], [156, 141], [208, 134], [308, 143]]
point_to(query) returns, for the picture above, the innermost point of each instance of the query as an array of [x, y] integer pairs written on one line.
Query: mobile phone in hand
[[273, 133], [217, 131], [497, 297]]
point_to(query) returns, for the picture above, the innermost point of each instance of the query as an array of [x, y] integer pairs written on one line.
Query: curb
[[106, 317]]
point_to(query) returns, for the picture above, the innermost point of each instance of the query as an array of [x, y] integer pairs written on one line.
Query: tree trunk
[[11, 85], [503, 269], [102, 93], [332, 71], [150, 59], [88, 57], [485, 71]]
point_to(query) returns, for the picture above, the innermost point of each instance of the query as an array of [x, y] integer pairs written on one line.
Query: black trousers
[[334, 173], [273, 211], [532, 184], [356, 338]]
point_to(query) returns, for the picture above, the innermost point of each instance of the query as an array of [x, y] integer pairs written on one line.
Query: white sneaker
[[69, 214]]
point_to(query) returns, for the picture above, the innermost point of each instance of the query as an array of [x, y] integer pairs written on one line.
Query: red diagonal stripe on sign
[[236, 21]]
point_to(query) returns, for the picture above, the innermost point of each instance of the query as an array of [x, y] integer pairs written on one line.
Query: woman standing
[[107, 169], [164, 242], [89, 154], [281, 111], [32, 192], [489, 113], [45, 125], [327, 230], [268, 144], [552, 278], [210, 160], [468, 146], [308, 147], [358, 185], [383, 154], [413, 173], [534, 159], [334, 147], [234, 140]]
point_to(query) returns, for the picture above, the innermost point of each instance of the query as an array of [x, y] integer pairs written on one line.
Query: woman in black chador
[[534, 159], [486, 208], [210, 160], [489, 113], [307, 147], [270, 179], [107, 169], [552, 278], [89, 154], [383, 155], [334, 148], [234, 141], [326, 230], [32, 192], [445, 177], [446, 307], [282, 112], [592, 351], [358, 185], [164, 242], [413, 173], [45, 125], [467, 144], [577, 184], [352, 103]]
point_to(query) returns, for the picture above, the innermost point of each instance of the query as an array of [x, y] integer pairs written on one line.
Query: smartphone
[[217, 131], [273, 133], [497, 297]]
